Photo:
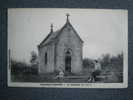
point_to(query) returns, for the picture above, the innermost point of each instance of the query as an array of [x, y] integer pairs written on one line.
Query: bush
[[18, 68], [88, 63]]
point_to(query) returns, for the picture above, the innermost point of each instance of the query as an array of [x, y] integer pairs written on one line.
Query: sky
[[102, 30]]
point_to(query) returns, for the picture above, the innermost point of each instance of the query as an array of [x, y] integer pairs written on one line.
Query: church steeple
[[51, 28]]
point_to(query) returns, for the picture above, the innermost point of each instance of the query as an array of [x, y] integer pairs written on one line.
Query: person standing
[[97, 65], [97, 71]]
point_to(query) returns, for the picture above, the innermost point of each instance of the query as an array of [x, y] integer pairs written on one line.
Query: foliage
[[18, 68], [112, 67], [33, 57], [114, 62], [88, 63]]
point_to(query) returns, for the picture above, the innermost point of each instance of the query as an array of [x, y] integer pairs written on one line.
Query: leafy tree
[[18, 67], [105, 61], [33, 59], [88, 63]]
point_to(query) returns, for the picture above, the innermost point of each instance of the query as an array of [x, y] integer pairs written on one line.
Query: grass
[[110, 77], [45, 78]]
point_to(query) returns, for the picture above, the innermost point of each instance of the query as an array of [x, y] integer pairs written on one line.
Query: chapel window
[[46, 58]]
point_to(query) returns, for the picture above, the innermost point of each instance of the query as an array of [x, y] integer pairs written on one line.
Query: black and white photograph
[[67, 48]]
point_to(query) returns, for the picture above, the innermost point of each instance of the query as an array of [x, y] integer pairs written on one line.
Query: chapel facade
[[61, 50]]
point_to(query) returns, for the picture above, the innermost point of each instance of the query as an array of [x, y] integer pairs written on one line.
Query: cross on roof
[[51, 27], [67, 16]]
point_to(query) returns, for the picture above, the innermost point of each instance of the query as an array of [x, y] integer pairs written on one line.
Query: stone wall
[[69, 40], [49, 67]]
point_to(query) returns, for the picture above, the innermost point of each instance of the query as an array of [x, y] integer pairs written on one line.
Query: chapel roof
[[53, 35]]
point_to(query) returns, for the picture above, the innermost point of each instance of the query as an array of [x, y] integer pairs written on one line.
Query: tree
[[88, 63], [33, 60], [105, 61]]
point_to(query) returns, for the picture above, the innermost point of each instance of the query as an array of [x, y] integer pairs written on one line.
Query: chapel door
[[68, 62]]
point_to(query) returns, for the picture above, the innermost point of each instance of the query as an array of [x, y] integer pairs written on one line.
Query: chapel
[[61, 50]]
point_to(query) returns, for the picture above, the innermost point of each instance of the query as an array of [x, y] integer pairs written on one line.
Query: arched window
[[68, 61], [46, 58], [68, 53]]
